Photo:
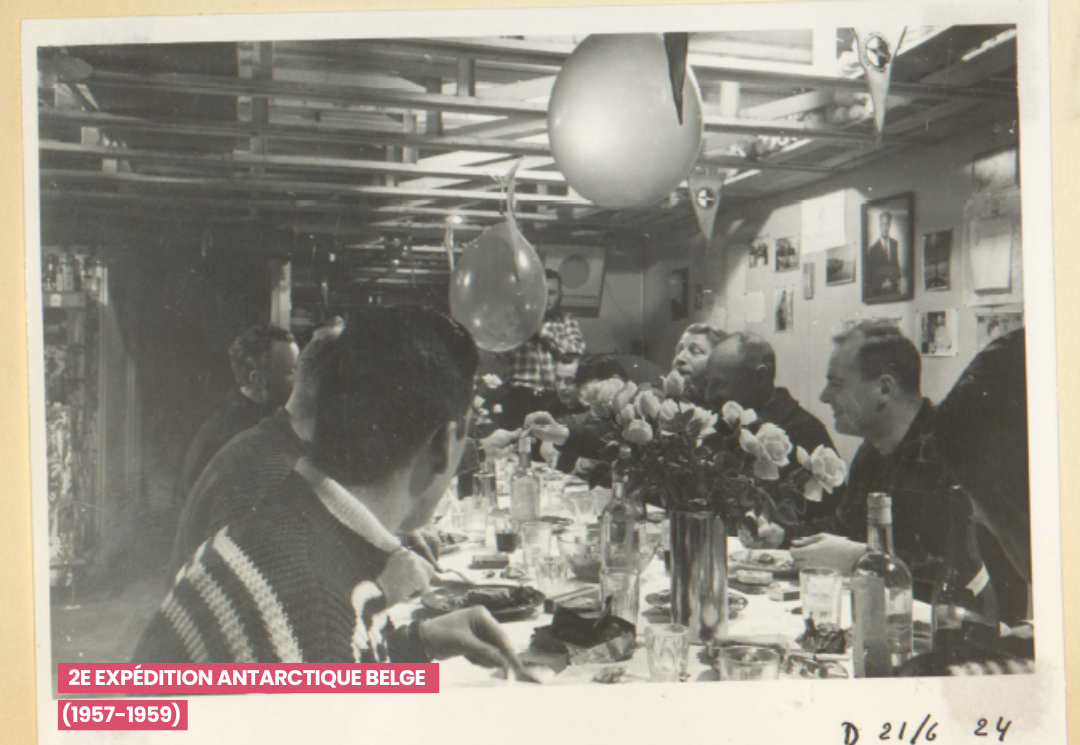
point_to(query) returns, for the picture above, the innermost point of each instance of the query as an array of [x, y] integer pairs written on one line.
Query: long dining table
[[763, 621]]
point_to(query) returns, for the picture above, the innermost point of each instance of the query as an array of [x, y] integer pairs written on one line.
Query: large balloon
[[613, 123], [498, 291]]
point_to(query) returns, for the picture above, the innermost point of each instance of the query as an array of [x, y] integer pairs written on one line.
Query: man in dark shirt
[[742, 368], [263, 361]]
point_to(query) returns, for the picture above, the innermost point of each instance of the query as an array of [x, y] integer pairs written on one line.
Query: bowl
[[581, 549]]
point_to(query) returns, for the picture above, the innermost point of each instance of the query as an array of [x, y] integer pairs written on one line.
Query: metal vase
[[699, 574]]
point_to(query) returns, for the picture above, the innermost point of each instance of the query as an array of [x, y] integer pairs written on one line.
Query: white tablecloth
[[763, 619]]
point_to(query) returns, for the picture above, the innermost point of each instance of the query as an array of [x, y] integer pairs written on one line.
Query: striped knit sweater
[[293, 582]]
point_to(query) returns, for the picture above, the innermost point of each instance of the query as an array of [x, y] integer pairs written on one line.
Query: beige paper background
[[17, 644]]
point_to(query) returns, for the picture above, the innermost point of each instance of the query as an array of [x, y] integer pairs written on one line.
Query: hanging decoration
[[448, 244], [706, 181], [677, 47], [877, 51], [498, 290], [614, 133]]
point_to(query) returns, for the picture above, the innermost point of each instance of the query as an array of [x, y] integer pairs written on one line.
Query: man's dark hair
[[885, 351], [250, 351], [316, 358], [552, 274], [598, 367], [398, 374]]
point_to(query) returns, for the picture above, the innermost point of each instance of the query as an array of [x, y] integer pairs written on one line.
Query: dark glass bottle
[[965, 606]]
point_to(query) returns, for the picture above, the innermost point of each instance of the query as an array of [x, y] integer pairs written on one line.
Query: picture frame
[[938, 333], [787, 254], [808, 281], [888, 252], [784, 309], [758, 253], [840, 265], [936, 261]]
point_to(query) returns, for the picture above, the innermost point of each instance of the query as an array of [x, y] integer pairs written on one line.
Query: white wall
[[939, 177]]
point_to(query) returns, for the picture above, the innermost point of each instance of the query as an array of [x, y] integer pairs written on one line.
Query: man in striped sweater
[[310, 574]]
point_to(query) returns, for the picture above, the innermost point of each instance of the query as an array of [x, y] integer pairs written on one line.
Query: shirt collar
[[347, 509]]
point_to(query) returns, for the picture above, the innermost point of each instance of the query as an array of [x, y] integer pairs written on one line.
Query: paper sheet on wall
[[991, 256], [754, 307], [823, 222]]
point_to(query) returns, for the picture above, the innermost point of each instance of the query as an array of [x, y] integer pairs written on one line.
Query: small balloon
[[498, 291], [614, 128]]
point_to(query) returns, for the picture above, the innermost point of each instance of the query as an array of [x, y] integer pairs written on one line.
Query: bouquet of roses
[[732, 464]]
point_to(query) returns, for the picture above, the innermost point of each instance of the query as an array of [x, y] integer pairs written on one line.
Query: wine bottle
[[881, 591], [622, 520], [524, 486], [964, 603]]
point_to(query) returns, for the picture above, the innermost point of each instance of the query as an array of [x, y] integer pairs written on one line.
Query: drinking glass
[[475, 518], [624, 589], [749, 663], [669, 652], [535, 541], [551, 575], [820, 589], [506, 533], [582, 504], [485, 487]]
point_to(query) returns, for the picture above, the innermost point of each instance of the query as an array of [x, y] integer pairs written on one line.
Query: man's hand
[[546, 429], [424, 542], [756, 531], [473, 633], [406, 574], [828, 551], [499, 442]]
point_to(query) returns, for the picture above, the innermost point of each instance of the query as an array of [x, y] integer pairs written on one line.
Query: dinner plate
[[454, 597], [774, 561], [662, 599]]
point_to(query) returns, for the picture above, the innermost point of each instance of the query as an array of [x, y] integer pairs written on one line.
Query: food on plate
[[767, 560], [824, 638], [610, 674], [753, 577], [447, 538], [490, 561], [500, 598]]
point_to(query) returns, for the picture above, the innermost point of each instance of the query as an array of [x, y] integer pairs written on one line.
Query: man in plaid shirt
[[530, 369]]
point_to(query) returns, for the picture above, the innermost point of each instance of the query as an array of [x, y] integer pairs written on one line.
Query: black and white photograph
[[991, 325], [938, 333], [759, 253], [787, 254], [350, 344], [840, 265], [888, 254], [937, 261]]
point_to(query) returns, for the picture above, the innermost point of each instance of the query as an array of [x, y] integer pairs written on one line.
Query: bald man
[[742, 368]]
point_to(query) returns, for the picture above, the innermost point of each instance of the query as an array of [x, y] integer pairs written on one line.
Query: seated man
[[263, 362], [692, 356], [308, 576], [742, 368], [874, 390], [566, 388]]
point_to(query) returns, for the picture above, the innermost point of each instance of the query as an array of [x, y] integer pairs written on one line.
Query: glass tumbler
[[820, 590], [535, 541], [669, 652], [749, 663], [624, 589], [551, 575]]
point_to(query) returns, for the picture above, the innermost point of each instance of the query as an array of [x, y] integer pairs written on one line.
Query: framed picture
[[840, 265], [888, 255], [582, 271], [808, 281], [938, 333], [679, 292], [784, 306], [990, 325], [787, 254], [759, 253], [937, 250]]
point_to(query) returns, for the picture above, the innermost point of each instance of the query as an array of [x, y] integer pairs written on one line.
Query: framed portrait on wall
[[888, 253], [937, 248], [787, 254], [840, 265], [759, 253]]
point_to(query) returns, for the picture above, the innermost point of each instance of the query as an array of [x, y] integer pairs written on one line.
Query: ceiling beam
[[306, 164], [52, 176]]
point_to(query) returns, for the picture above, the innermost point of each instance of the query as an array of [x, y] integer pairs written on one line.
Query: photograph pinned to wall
[[990, 325], [938, 333], [784, 309], [996, 170], [888, 254], [581, 269], [679, 293], [759, 253], [808, 281], [937, 250], [787, 254], [840, 265]]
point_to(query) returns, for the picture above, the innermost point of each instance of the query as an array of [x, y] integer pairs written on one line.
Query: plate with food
[[450, 540], [662, 600], [504, 601], [774, 561]]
